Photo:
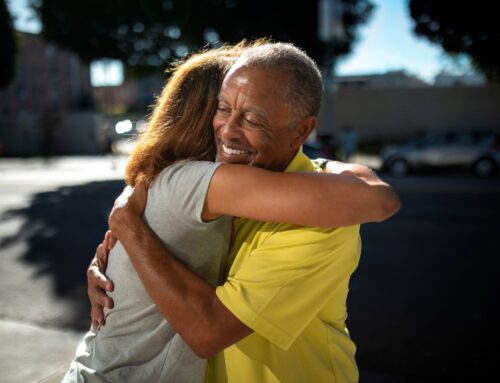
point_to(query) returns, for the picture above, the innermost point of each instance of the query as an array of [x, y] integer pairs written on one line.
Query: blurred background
[[412, 90]]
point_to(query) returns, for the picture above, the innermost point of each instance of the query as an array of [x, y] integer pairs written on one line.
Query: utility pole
[[330, 30]]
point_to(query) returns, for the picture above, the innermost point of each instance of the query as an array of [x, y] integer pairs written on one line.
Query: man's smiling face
[[255, 123]]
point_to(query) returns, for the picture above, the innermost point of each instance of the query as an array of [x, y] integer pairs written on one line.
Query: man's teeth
[[232, 151]]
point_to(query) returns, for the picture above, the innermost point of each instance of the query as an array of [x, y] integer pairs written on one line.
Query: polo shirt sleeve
[[286, 280]]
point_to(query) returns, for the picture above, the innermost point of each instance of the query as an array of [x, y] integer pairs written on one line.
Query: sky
[[386, 43]]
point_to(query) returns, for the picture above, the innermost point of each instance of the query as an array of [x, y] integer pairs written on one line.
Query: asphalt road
[[424, 300], [423, 305]]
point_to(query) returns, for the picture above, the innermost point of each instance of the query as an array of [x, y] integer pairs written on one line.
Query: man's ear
[[302, 130]]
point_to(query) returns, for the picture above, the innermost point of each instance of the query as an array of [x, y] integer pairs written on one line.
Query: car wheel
[[484, 167], [399, 168]]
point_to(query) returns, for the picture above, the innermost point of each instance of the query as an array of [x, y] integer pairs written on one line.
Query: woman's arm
[[352, 196]]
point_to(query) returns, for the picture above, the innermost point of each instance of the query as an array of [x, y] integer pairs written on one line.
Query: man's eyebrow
[[260, 112]]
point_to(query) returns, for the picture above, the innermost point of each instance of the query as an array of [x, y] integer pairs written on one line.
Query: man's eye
[[251, 123], [222, 109]]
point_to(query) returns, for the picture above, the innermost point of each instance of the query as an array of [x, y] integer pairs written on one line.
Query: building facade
[[50, 86], [392, 108]]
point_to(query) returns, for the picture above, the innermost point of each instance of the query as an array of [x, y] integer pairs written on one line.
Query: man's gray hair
[[305, 88]]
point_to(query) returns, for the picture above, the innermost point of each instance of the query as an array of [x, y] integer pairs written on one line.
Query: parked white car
[[476, 150]]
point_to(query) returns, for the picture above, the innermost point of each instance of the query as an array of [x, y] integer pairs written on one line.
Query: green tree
[[7, 47], [472, 29], [147, 34]]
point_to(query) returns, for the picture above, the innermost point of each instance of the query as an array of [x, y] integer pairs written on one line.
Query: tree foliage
[[7, 46], [146, 34], [462, 28]]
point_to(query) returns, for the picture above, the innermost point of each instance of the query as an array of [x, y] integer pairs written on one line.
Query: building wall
[[398, 113], [138, 93], [50, 82], [116, 98]]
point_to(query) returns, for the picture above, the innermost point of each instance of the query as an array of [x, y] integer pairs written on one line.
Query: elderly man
[[280, 316]]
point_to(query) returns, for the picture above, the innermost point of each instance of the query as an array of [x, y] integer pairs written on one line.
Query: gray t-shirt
[[137, 344]]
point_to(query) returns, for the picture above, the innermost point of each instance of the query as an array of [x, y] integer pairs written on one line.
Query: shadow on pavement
[[62, 229]]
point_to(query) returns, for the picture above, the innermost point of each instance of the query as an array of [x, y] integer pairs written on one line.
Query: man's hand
[[98, 283], [131, 203]]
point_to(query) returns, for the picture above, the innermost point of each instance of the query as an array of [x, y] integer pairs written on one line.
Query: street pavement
[[423, 303], [43, 314]]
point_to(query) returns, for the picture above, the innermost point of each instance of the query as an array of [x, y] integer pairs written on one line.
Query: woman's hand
[[388, 203]]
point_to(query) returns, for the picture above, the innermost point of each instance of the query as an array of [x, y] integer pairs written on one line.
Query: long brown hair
[[180, 126]]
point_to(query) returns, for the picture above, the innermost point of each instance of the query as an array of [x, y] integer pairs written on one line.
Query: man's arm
[[183, 298]]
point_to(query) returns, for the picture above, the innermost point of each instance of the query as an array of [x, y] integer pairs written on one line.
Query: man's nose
[[230, 128]]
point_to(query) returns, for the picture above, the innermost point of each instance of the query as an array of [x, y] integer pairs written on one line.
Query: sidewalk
[[33, 347], [67, 169], [35, 354]]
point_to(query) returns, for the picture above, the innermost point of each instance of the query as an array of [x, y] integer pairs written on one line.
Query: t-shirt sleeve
[[284, 283], [183, 188]]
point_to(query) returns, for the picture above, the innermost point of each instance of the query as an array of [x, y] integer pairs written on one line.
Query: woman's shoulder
[[180, 189], [185, 166], [185, 171]]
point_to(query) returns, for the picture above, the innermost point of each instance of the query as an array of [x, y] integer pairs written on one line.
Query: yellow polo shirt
[[289, 284]]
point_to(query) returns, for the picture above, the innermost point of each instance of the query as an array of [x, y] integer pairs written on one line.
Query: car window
[[434, 140], [485, 138], [464, 138]]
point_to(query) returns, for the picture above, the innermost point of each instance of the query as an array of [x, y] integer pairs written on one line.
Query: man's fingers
[[97, 316], [99, 299], [141, 191], [97, 294], [105, 243], [98, 284], [112, 241], [124, 196], [109, 241], [96, 323], [139, 198], [97, 281], [102, 257], [103, 282]]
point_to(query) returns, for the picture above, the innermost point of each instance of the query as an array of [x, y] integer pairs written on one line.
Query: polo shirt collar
[[300, 163]]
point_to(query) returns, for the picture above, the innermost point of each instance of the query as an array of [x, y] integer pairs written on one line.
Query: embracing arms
[[187, 301]]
